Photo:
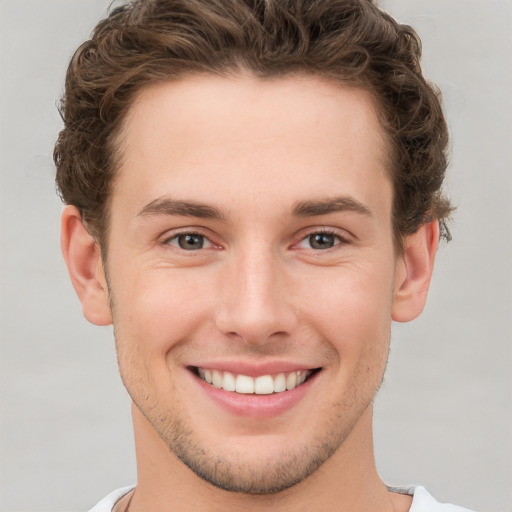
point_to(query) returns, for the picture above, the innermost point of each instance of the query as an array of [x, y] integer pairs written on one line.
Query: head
[[350, 42], [254, 194]]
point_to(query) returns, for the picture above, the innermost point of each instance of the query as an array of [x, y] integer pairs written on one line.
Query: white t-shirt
[[422, 501]]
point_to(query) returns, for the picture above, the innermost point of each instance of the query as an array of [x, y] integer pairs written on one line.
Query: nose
[[255, 303]]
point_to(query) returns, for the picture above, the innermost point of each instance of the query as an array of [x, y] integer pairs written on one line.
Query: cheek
[[153, 316], [351, 309], [158, 310]]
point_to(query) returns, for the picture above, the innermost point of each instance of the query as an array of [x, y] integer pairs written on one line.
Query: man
[[253, 194]]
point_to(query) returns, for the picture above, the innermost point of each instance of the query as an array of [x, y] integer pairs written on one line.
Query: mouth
[[260, 385]]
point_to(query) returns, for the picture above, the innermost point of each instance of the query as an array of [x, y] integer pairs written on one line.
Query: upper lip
[[253, 369]]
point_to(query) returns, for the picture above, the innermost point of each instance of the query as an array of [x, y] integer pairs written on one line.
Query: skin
[[270, 163]]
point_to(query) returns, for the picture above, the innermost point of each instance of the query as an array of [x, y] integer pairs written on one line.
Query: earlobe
[[414, 271], [83, 259]]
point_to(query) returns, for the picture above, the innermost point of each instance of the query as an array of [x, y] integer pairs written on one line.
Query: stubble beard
[[237, 475], [234, 473], [265, 476]]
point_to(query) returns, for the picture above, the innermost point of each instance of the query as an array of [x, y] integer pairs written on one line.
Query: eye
[[320, 241], [190, 241]]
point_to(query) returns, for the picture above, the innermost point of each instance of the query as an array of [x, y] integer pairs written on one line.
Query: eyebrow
[[330, 205], [169, 206]]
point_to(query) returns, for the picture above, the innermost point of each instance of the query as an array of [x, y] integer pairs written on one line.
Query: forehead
[[206, 135]]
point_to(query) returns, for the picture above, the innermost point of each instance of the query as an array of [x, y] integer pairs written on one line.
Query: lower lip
[[253, 405]]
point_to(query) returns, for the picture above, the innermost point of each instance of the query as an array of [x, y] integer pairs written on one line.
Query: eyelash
[[339, 240], [176, 236]]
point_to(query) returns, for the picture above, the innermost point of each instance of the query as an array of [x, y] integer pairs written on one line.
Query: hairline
[[116, 137]]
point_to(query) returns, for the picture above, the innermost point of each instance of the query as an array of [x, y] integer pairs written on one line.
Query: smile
[[261, 385]]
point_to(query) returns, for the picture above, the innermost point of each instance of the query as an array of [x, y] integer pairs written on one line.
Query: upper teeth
[[263, 385]]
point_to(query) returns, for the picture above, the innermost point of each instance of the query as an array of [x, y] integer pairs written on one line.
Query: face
[[251, 271]]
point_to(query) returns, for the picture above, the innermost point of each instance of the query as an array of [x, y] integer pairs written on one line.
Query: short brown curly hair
[[347, 41]]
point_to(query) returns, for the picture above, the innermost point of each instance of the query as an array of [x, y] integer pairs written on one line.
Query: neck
[[347, 481]]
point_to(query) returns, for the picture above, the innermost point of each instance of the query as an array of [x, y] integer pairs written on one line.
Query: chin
[[264, 476], [255, 465]]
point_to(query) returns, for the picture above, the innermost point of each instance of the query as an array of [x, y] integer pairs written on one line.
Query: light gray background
[[443, 416]]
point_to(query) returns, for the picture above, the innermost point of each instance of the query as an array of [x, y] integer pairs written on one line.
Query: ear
[[414, 271], [83, 259]]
